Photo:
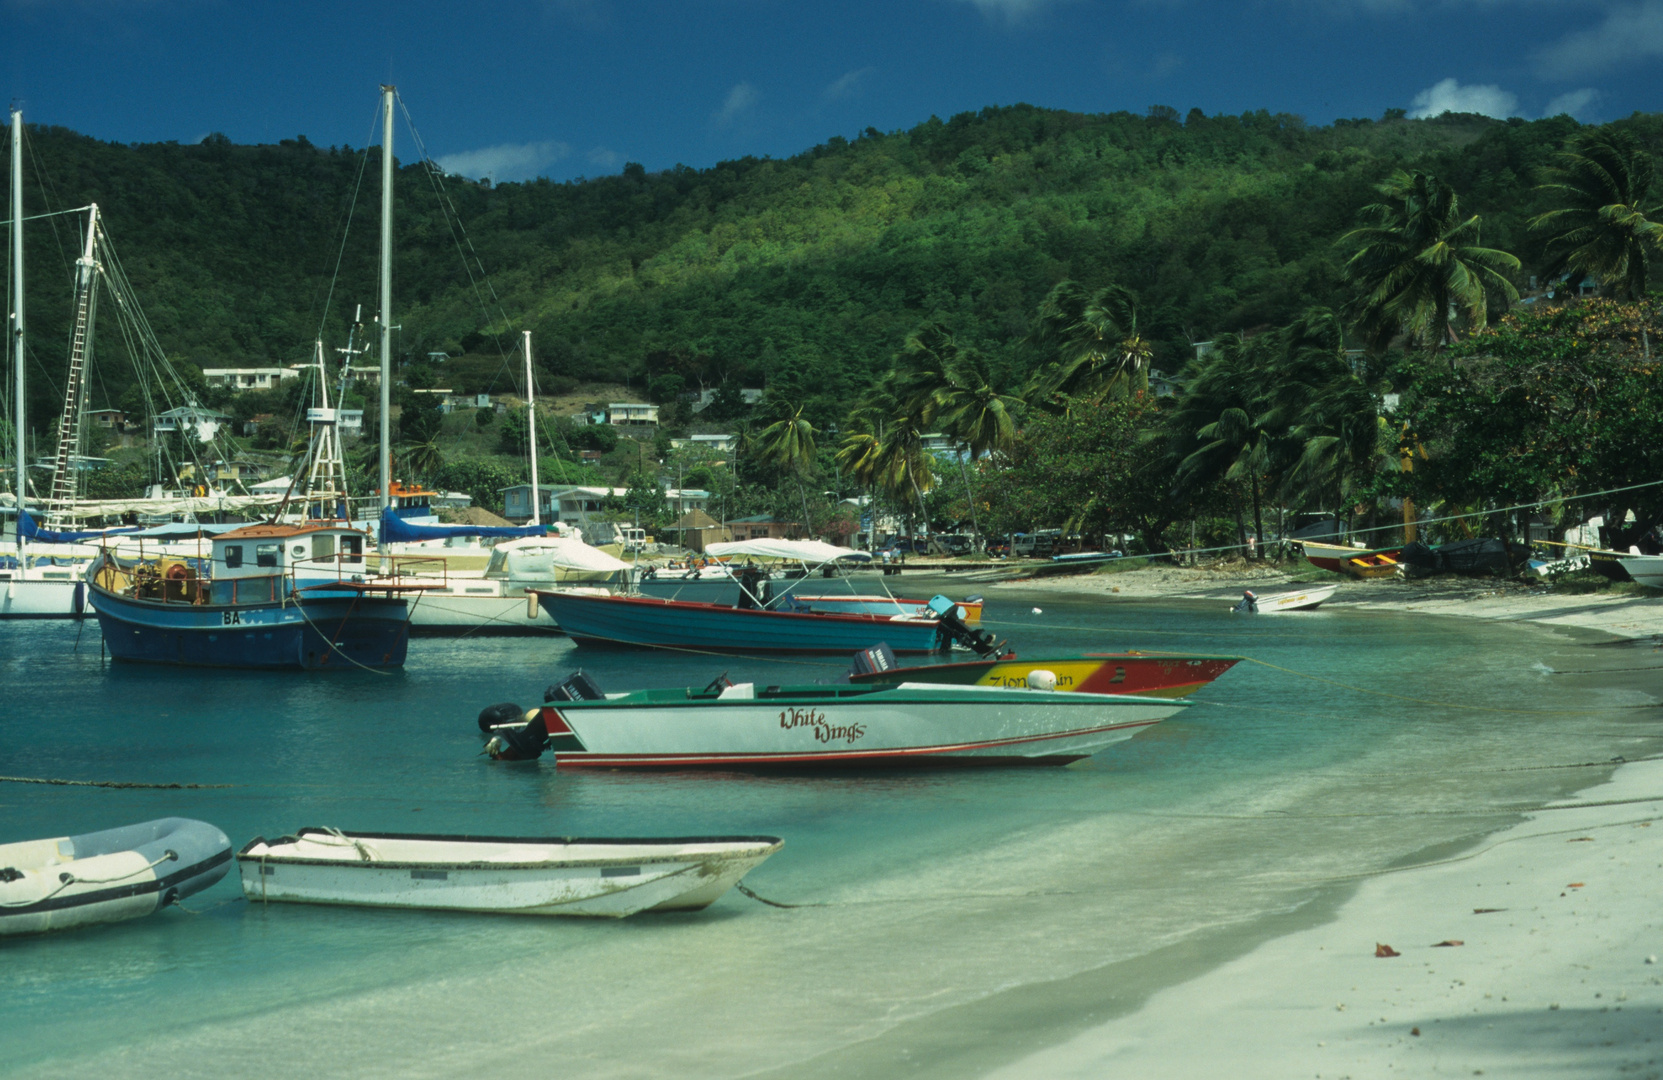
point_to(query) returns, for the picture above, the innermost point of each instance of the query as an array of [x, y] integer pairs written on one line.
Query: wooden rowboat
[[599, 878]]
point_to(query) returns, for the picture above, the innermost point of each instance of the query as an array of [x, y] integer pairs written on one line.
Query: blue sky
[[564, 88]]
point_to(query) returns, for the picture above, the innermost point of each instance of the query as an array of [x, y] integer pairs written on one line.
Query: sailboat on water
[[501, 599]]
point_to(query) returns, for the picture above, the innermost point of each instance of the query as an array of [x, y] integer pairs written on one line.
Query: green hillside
[[806, 272]]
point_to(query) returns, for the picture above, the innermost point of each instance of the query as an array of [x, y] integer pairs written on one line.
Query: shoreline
[[1624, 615], [1559, 966]]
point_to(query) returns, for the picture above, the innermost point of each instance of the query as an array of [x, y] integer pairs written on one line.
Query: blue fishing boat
[[267, 596], [653, 622]]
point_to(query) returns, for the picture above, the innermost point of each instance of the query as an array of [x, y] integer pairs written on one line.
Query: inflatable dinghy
[[107, 876]]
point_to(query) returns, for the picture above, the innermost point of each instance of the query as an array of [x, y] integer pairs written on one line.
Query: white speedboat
[[1295, 600], [607, 878], [107, 876], [745, 726]]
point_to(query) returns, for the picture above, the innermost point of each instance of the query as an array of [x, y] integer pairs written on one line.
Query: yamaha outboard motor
[[577, 686], [953, 627], [523, 743]]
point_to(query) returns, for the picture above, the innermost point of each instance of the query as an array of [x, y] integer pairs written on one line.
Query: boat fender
[[493, 716], [1040, 679]]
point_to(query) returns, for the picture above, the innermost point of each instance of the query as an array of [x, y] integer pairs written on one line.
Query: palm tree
[[789, 444], [884, 448], [1602, 228], [1220, 421], [1094, 339], [1418, 262], [971, 410], [424, 458]]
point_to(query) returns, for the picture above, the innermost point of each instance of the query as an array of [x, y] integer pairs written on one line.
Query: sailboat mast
[[387, 93], [531, 427], [17, 317]]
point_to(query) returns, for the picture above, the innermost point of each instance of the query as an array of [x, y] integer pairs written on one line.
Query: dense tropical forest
[[1011, 278]]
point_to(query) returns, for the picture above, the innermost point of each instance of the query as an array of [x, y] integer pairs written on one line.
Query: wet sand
[[1554, 961]]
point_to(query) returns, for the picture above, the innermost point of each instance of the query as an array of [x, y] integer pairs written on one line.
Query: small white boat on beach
[[604, 878], [1646, 570], [1296, 600]]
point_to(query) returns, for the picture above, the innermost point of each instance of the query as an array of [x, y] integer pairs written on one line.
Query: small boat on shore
[[1645, 570], [1293, 600], [1352, 561], [747, 727], [1148, 674], [508, 875], [107, 876]]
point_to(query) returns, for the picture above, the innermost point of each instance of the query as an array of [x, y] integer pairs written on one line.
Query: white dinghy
[[107, 876], [1297, 600], [605, 878]]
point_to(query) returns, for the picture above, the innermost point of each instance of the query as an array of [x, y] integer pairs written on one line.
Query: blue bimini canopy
[[395, 530], [30, 530]]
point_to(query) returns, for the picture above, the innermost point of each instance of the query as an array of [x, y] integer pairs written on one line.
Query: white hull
[[31, 595], [597, 879], [915, 723], [467, 605], [1646, 570], [1297, 600]]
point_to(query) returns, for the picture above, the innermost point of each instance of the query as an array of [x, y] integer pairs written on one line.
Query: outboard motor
[[947, 612], [878, 659], [1249, 604], [524, 743], [577, 686]]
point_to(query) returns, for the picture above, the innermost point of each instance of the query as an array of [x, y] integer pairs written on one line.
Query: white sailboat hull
[[595, 879], [31, 594]]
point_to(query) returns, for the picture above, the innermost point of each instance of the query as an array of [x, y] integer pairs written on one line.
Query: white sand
[[1565, 981]]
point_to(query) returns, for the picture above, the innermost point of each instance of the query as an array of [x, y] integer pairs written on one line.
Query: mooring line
[[106, 783]]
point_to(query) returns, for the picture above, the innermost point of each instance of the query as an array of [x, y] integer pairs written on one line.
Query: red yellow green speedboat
[[1151, 674]]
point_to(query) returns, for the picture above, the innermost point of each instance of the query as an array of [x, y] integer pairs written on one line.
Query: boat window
[[233, 556], [323, 546], [268, 554], [352, 549]]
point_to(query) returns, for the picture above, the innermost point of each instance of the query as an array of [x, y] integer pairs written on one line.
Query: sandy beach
[[1537, 952]]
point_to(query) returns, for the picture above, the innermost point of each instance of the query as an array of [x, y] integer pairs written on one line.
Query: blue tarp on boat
[[395, 529], [30, 530]]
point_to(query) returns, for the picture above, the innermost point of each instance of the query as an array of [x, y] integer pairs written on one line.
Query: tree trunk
[[970, 497], [1241, 526], [808, 524], [1258, 520]]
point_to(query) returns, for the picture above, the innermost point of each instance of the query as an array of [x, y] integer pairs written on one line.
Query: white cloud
[[1630, 32], [1451, 96], [603, 157], [846, 85], [509, 161], [1011, 10], [740, 100], [1573, 103]]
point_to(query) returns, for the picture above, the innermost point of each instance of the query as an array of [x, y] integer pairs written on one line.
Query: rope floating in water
[[107, 783]]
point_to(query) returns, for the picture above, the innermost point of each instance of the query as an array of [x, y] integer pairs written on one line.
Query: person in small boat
[[1249, 604]]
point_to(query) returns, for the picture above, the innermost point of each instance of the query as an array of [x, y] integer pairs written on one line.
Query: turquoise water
[[939, 888]]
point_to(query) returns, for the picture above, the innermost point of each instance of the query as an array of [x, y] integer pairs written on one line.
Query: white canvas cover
[[538, 557], [813, 552]]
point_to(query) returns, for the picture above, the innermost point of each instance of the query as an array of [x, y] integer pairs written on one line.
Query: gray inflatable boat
[[107, 876]]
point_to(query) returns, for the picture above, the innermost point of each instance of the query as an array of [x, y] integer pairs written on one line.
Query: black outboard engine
[[953, 627], [577, 686], [524, 743], [1249, 604]]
